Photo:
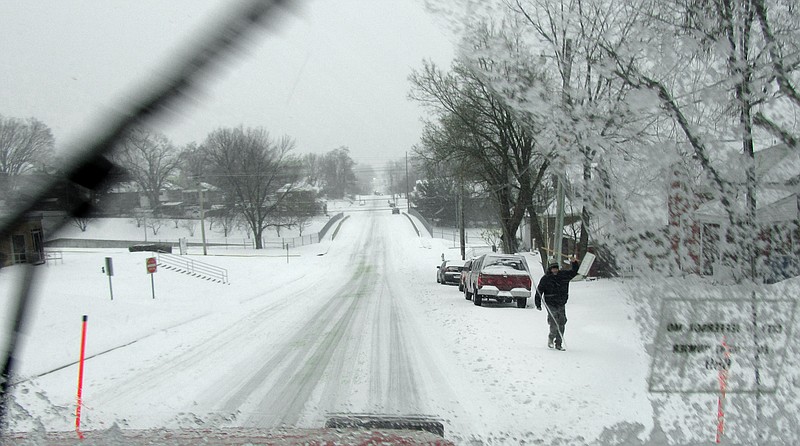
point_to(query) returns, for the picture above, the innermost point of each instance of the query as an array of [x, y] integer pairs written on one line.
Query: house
[[698, 223], [170, 193], [173, 200], [25, 243], [212, 195], [123, 197]]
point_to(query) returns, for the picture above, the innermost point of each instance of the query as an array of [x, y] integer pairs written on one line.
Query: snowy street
[[357, 324]]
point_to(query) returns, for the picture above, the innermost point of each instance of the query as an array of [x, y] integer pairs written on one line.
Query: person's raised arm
[[570, 274]]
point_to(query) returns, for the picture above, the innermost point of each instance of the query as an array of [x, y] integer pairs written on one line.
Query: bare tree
[[479, 133], [679, 96], [149, 159], [703, 66], [193, 163], [566, 34], [23, 144], [81, 222], [337, 172], [312, 168], [226, 217], [721, 89], [778, 25], [302, 222], [190, 225], [154, 224], [255, 170]]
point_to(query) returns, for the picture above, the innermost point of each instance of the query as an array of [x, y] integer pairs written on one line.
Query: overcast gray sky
[[333, 73]]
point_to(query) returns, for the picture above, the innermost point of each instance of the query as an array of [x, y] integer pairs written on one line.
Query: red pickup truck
[[502, 277]]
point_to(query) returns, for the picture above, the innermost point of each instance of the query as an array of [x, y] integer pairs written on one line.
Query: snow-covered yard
[[355, 324]]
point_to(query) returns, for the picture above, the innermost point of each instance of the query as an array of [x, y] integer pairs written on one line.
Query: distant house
[[173, 200], [25, 243], [212, 196], [123, 197], [697, 223], [170, 192]]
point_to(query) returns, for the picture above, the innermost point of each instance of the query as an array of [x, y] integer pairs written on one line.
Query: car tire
[[478, 299], [460, 287], [467, 295], [522, 302]]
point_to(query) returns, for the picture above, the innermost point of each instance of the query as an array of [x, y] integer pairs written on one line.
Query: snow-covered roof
[[778, 166], [570, 208], [775, 165], [778, 177], [125, 187], [168, 185], [771, 206], [302, 186], [205, 186]]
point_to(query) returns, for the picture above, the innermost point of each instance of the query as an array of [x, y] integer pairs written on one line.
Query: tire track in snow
[[303, 375], [375, 373], [209, 348], [270, 381], [403, 387], [289, 351], [294, 374]]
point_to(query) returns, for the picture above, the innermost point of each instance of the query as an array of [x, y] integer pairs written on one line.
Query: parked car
[[449, 272], [464, 274], [395, 210], [502, 277]]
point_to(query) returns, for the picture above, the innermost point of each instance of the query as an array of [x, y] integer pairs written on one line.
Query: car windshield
[[218, 221]]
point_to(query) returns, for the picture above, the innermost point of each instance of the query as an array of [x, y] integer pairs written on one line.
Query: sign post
[[723, 387], [716, 345], [110, 272], [151, 269]]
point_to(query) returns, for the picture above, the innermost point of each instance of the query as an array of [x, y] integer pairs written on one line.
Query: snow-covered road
[[357, 324]]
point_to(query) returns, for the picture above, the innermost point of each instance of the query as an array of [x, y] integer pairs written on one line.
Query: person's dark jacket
[[555, 287]]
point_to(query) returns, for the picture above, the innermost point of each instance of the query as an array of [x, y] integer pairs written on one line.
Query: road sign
[[698, 338], [151, 265]]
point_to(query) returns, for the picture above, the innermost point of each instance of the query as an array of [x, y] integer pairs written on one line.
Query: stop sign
[[151, 265]]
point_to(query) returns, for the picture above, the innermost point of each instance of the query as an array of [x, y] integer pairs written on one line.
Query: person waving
[[554, 291]]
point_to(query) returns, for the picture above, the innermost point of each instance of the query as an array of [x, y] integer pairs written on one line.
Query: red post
[[723, 388], [80, 380]]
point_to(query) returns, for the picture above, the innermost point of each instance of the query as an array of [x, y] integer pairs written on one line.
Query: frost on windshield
[[673, 126], [667, 128]]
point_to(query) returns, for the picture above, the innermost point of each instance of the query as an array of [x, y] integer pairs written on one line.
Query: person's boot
[[549, 343], [560, 347]]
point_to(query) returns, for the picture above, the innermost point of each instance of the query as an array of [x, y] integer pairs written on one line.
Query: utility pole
[[559, 233], [391, 182], [461, 221], [408, 200], [202, 217], [562, 174]]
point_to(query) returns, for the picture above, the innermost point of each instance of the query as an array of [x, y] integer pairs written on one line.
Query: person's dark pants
[[557, 318]]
